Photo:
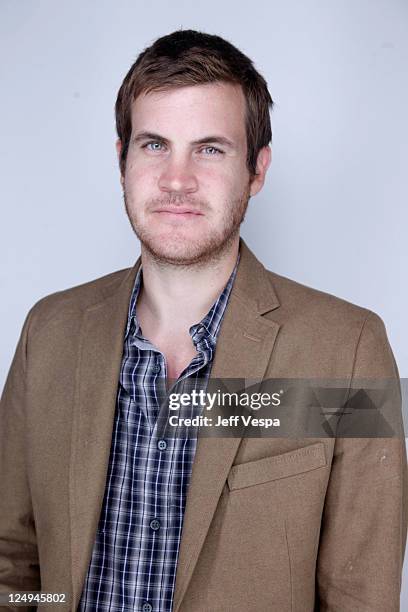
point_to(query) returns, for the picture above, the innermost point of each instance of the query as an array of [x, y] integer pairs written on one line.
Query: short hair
[[188, 57]]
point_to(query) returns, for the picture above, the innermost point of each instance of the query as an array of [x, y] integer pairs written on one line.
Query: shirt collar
[[209, 326]]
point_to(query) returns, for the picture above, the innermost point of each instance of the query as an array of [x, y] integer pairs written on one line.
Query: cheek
[[221, 182], [139, 178], [231, 177]]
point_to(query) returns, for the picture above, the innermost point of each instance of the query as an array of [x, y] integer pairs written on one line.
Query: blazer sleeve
[[364, 526], [19, 565]]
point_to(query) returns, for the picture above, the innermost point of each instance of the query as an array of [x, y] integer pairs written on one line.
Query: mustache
[[177, 200]]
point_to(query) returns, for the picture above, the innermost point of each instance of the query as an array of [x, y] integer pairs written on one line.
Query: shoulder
[[73, 301], [319, 308], [328, 328]]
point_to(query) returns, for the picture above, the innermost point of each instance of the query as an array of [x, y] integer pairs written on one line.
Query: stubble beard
[[213, 246]]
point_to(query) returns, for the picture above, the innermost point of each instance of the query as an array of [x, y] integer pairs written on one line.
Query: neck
[[176, 297]]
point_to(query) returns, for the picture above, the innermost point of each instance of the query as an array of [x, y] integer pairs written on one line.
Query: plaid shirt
[[134, 558]]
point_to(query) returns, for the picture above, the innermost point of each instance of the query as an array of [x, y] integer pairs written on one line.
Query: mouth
[[179, 211]]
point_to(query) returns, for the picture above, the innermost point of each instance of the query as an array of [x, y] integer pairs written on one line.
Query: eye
[[153, 145], [212, 151]]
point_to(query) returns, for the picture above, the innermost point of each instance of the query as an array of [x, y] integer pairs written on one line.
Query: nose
[[178, 176]]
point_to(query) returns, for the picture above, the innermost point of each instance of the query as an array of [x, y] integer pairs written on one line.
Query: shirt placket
[[166, 500]]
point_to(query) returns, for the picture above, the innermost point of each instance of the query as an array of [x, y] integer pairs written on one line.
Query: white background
[[333, 212]]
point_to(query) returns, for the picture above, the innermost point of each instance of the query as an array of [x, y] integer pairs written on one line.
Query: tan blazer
[[268, 526]]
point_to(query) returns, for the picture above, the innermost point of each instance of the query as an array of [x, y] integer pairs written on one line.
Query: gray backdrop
[[333, 211]]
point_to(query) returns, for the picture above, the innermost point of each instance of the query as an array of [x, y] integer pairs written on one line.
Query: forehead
[[211, 106]]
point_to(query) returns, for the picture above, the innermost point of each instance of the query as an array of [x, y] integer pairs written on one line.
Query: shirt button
[[156, 369], [155, 524], [147, 607], [162, 445]]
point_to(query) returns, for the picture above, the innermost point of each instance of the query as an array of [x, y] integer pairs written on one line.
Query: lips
[[179, 210]]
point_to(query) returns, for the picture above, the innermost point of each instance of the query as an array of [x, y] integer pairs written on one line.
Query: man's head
[[193, 123]]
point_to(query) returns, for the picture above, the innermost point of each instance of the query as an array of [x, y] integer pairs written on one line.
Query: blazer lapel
[[102, 334], [244, 347]]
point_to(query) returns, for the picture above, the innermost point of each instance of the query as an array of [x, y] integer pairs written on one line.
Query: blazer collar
[[253, 284]]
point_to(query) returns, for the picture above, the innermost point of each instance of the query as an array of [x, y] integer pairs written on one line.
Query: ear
[[118, 145], [262, 164]]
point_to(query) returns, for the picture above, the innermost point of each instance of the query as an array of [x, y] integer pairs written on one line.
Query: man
[[97, 503]]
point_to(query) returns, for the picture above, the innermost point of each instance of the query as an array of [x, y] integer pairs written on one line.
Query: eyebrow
[[221, 140]]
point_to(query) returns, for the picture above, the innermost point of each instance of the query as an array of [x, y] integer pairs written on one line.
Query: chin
[[186, 250], [177, 252]]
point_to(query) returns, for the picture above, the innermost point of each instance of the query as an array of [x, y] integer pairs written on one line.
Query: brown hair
[[185, 58]]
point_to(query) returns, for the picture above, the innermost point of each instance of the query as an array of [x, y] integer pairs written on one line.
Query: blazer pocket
[[280, 466]]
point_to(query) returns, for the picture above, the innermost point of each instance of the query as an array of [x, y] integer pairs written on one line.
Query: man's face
[[186, 182]]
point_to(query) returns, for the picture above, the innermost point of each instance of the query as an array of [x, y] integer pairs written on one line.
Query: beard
[[175, 247]]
